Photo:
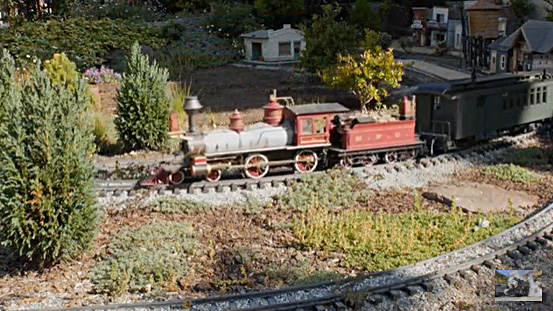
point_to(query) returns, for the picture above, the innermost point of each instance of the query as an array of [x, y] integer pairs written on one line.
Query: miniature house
[[283, 45]]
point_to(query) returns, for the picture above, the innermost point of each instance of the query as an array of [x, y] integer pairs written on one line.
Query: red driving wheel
[[256, 166]]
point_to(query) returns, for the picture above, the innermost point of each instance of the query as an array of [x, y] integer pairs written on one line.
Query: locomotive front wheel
[[256, 166], [213, 176], [176, 178], [370, 160], [306, 161], [390, 157]]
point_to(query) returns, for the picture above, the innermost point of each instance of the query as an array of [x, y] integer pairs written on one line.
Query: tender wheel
[[306, 161], [256, 166], [176, 178], [413, 154], [213, 176], [370, 160], [390, 157], [345, 162]]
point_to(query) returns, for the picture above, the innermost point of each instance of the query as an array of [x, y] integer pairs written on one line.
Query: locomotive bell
[[191, 105]]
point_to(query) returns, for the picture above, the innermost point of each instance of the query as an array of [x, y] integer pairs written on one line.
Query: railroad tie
[[320, 308], [413, 289], [524, 250], [514, 254], [395, 294], [467, 274], [548, 236], [490, 264], [340, 306], [449, 278], [476, 268], [533, 245], [542, 241], [376, 299], [427, 286]]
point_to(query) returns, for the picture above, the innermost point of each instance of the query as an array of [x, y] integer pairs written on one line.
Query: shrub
[[144, 10], [510, 172], [173, 30], [375, 39], [170, 205], [363, 16], [325, 39], [325, 189], [377, 241], [441, 48], [47, 210], [406, 45], [142, 119], [61, 70], [7, 82], [278, 12], [150, 258], [230, 20], [85, 42]]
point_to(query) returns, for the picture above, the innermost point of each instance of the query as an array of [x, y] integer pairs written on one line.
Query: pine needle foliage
[[142, 119], [7, 73], [47, 210]]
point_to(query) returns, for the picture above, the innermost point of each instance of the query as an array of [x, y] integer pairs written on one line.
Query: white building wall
[[441, 11], [270, 47], [540, 62]]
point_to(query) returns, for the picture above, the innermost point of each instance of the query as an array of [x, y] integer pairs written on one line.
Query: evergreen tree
[[7, 71], [326, 38], [142, 106], [47, 210]]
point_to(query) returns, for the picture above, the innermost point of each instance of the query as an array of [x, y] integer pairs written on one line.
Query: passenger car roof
[[317, 109]]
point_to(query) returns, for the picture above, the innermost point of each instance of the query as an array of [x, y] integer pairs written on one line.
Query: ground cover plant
[[325, 189], [377, 241], [511, 172], [151, 258], [531, 156], [86, 42]]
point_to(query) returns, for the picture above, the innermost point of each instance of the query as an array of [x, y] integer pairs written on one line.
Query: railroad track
[[116, 188], [514, 243]]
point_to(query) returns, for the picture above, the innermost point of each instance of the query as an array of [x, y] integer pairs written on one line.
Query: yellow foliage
[[369, 76]]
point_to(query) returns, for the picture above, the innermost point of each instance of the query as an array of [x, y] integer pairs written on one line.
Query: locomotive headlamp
[[191, 105]]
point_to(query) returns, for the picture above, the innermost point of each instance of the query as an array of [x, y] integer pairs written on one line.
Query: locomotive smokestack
[[191, 105]]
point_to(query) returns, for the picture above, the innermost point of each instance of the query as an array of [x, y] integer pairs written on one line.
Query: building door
[[256, 51]]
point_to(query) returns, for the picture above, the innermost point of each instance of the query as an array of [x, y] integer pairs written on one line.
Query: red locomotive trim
[[200, 160]]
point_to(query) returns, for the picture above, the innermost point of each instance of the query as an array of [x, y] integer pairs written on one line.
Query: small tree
[[549, 10], [326, 38], [522, 8], [369, 76], [7, 81], [142, 106], [47, 210], [363, 16]]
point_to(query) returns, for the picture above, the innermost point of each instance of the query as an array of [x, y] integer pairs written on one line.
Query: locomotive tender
[[448, 115]]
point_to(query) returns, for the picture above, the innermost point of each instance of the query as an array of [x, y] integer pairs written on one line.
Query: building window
[[544, 95], [436, 102], [502, 64], [538, 95], [532, 97], [284, 49]]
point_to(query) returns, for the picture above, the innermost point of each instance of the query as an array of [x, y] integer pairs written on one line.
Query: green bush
[[47, 210], [144, 10], [7, 81], [85, 42], [230, 20], [374, 39], [142, 119], [510, 172], [326, 190], [326, 38], [278, 12], [363, 16], [173, 30], [61, 70], [151, 258]]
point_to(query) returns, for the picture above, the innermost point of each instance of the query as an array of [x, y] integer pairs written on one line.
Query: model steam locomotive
[[306, 137]]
